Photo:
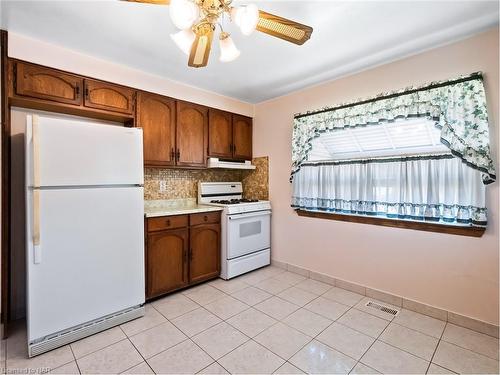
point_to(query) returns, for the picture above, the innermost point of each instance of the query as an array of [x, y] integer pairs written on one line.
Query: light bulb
[[246, 17], [184, 40], [184, 13], [236, 15], [228, 51]]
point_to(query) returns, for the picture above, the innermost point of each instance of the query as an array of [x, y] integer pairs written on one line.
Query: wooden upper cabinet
[[156, 117], [220, 134], [167, 261], [242, 137], [109, 97], [176, 133], [191, 134], [204, 255], [48, 84]]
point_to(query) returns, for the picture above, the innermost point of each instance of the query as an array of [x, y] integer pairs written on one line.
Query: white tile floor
[[268, 321]]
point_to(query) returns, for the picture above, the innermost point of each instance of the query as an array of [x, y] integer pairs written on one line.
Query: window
[[395, 170], [379, 157]]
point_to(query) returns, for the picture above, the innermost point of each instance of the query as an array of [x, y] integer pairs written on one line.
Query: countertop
[[170, 207]]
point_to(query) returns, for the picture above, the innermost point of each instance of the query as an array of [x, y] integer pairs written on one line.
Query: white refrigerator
[[85, 229]]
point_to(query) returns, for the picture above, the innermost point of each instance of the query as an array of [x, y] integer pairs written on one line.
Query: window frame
[[470, 231]]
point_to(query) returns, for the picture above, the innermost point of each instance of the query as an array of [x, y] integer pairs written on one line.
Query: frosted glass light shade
[[184, 13], [246, 17], [184, 40], [228, 51]]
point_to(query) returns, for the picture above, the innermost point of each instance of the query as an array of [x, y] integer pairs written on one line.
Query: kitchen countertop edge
[[172, 211]]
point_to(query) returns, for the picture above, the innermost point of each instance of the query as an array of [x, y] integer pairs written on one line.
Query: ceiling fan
[[198, 20]]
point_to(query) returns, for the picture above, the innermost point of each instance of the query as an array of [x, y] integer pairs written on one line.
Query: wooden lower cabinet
[[204, 253], [176, 258], [167, 266]]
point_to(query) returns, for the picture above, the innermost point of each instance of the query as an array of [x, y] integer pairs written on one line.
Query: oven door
[[248, 233]]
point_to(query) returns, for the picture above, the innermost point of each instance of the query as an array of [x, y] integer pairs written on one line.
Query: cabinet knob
[[205, 218], [168, 222]]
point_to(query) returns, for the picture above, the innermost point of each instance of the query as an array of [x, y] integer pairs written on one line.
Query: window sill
[[416, 225]]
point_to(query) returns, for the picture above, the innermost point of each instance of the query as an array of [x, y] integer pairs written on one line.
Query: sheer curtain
[[439, 188]]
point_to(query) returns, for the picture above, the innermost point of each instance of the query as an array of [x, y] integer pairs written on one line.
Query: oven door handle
[[248, 215]]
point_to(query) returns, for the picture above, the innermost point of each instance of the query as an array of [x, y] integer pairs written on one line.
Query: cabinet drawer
[[167, 222], [204, 218]]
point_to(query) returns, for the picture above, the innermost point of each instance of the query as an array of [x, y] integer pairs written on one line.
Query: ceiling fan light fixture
[[198, 20], [184, 13], [228, 51], [246, 17], [184, 40]]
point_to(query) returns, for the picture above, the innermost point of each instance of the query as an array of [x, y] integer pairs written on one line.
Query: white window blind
[[399, 138]]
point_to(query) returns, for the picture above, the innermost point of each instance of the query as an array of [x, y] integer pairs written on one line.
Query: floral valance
[[458, 108]]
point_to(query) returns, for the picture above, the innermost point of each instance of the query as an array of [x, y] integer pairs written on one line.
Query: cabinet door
[[220, 134], [109, 97], [191, 130], [204, 255], [44, 83], [167, 254], [242, 137], [156, 117]]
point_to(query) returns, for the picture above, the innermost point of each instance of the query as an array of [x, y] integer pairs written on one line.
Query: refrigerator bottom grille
[[79, 332]]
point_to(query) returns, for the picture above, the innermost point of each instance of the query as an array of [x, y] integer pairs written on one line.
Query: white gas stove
[[246, 227]]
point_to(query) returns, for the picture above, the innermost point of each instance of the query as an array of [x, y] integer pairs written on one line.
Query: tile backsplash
[[256, 182], [183, 183]]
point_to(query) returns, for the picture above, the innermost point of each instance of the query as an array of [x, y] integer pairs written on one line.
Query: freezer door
[[86, 259], [68, 152]]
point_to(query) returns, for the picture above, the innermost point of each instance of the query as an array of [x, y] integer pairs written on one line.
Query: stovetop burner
[[233, 201]]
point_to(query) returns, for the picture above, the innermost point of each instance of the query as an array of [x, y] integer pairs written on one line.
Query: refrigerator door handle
[[37, 254], [36, 152]]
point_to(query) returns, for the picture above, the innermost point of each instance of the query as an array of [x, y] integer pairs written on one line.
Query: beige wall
[[456, 273]]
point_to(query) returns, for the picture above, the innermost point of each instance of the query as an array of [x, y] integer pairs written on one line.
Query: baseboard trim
[[419, 307]]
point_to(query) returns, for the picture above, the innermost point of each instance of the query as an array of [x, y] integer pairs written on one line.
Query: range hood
[[220, 163]]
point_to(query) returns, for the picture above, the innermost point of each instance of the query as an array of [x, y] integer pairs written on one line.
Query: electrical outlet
[[163, 186]]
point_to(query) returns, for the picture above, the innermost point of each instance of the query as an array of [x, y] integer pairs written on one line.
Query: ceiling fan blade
[[283, 28], [156, 2], [200, 50]]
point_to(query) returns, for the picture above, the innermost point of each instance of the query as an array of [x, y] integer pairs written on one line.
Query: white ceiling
[[348, 36]]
